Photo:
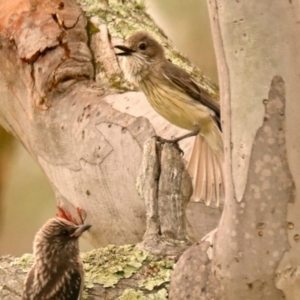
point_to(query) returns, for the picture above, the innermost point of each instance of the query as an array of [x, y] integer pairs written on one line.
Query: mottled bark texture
[[245, 261], [190, 279], [63, 96], [254, 253], [166, 188]]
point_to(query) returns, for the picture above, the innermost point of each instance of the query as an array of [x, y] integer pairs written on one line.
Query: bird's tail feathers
[[205, 166]]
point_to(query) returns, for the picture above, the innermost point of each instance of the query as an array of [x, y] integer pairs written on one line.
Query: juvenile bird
[[176, 96], [57, 271]]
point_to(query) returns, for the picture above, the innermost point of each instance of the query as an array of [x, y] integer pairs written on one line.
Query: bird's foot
[[171, 141]]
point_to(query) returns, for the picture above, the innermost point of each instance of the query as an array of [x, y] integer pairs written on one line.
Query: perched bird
[[57, 271], [176, 96]]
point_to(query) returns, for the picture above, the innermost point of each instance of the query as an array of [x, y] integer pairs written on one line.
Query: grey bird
[[57, 272], [177, 97]]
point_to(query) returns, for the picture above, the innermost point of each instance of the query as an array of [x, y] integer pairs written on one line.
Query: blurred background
[[26, 198]]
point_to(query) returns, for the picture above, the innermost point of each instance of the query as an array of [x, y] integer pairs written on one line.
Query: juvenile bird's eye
[[64, 232], [142, 46]]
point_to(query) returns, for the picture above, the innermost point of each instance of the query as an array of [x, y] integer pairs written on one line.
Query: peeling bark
[[63, 97], [262, 213]]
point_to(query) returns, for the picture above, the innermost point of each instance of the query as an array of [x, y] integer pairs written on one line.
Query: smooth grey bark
[[256, 48], [254, 253]]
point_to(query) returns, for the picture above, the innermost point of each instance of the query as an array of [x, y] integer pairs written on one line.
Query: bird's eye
[[142, 46], [64, 232]]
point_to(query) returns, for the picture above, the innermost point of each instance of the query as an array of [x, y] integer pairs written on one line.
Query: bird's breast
[[174, 105]]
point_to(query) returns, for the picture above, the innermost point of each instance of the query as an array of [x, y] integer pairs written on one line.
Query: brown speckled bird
[[177, 97], [57, 271]]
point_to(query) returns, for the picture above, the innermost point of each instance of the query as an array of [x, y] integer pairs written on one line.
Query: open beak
[[80, 230], [126, 50]]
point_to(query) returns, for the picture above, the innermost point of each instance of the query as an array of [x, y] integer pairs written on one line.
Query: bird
[[181, 100], [57, 270]]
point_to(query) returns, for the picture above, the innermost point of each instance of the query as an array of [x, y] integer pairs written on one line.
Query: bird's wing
[[185, 82], [28, 284], [73, 289], [55, 288]]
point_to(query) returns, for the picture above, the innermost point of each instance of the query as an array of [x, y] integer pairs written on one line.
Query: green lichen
[[123, 19], [140, 5], [117, 81], [160, 295], [24, 262], [92, 29], [108, 265], [160, 273], [130, 294]]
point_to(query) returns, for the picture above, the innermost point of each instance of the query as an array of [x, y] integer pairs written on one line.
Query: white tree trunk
[[255, 252], [257, 245]]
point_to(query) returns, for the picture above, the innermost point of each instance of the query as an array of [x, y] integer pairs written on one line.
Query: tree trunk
[[62, 96], [128, 272], [256, 246]]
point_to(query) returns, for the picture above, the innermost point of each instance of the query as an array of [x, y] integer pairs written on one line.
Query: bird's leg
[[180, 138], [176, 140]]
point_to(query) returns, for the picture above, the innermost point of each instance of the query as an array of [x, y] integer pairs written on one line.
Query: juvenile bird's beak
[[80, 230], [126, 50]]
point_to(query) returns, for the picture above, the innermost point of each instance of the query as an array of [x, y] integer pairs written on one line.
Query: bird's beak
[[80, 230], [126, 50]]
